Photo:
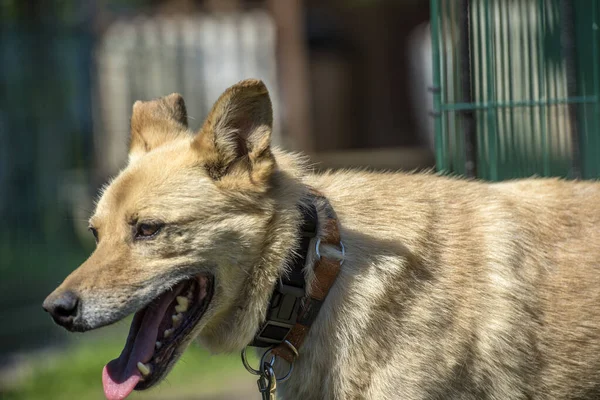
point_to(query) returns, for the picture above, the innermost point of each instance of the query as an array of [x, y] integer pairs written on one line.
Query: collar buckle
[[281, 316]]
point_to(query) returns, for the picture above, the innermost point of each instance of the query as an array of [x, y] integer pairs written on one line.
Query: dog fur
[[450, 288]]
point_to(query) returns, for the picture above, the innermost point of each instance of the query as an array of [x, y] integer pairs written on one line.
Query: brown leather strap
[[325, 273]]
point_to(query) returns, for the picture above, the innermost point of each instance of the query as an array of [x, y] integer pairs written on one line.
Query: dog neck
[[294, 304]]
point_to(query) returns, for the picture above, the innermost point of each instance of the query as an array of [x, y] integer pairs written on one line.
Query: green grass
[[74, 372]]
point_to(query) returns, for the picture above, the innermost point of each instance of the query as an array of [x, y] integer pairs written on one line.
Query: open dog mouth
[[154, 337]]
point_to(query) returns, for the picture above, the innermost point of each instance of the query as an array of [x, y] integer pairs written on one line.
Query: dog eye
[[94, 232], [146, 230]]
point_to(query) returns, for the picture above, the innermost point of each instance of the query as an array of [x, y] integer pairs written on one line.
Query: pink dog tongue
[[120, 376], [114, 390]]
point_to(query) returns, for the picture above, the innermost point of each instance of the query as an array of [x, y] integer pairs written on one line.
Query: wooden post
[[294, 80]]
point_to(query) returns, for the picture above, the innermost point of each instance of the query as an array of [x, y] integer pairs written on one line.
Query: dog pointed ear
[[235, 141], [156, 122]]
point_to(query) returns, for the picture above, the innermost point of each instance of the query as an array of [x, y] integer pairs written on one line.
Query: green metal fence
[[516, 87]]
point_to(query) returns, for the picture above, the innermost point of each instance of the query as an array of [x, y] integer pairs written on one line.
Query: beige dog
[[450, 289]]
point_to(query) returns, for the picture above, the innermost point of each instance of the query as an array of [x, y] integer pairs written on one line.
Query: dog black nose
[[62, 307]]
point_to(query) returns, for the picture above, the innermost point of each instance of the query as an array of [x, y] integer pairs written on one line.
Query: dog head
[[189, 236]]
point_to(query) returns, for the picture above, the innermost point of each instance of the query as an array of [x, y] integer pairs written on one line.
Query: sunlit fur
[[450, 289]]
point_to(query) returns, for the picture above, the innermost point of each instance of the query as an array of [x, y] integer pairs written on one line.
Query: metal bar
[[454, 125], [491, 92], [475, 67], [503, 82], [567, 42], [542, 87], [513, 150], [531, 167], [447, 82], [558, 124], [468, 116], [563, 143], [522, 103], [529, 81], [482, 149], [552, 76], [585, 25], [595, 132], [440, 157], [523, 89]]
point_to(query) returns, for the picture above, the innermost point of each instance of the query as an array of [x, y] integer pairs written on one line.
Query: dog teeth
[[167, 333], [144, 368], [180, 309], [158, 345], [176, 319], [182, 304]]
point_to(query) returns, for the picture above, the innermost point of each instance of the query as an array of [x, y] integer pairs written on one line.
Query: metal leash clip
[[267, 382]]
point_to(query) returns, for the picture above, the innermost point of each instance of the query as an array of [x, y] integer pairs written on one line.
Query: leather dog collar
[[292, 310]]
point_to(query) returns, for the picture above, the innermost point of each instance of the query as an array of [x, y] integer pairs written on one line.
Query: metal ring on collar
[[291, 347], [249, 367], [289, 373], [318, 252]]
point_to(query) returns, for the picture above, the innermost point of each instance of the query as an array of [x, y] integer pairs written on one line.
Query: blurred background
[[491, 89]]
